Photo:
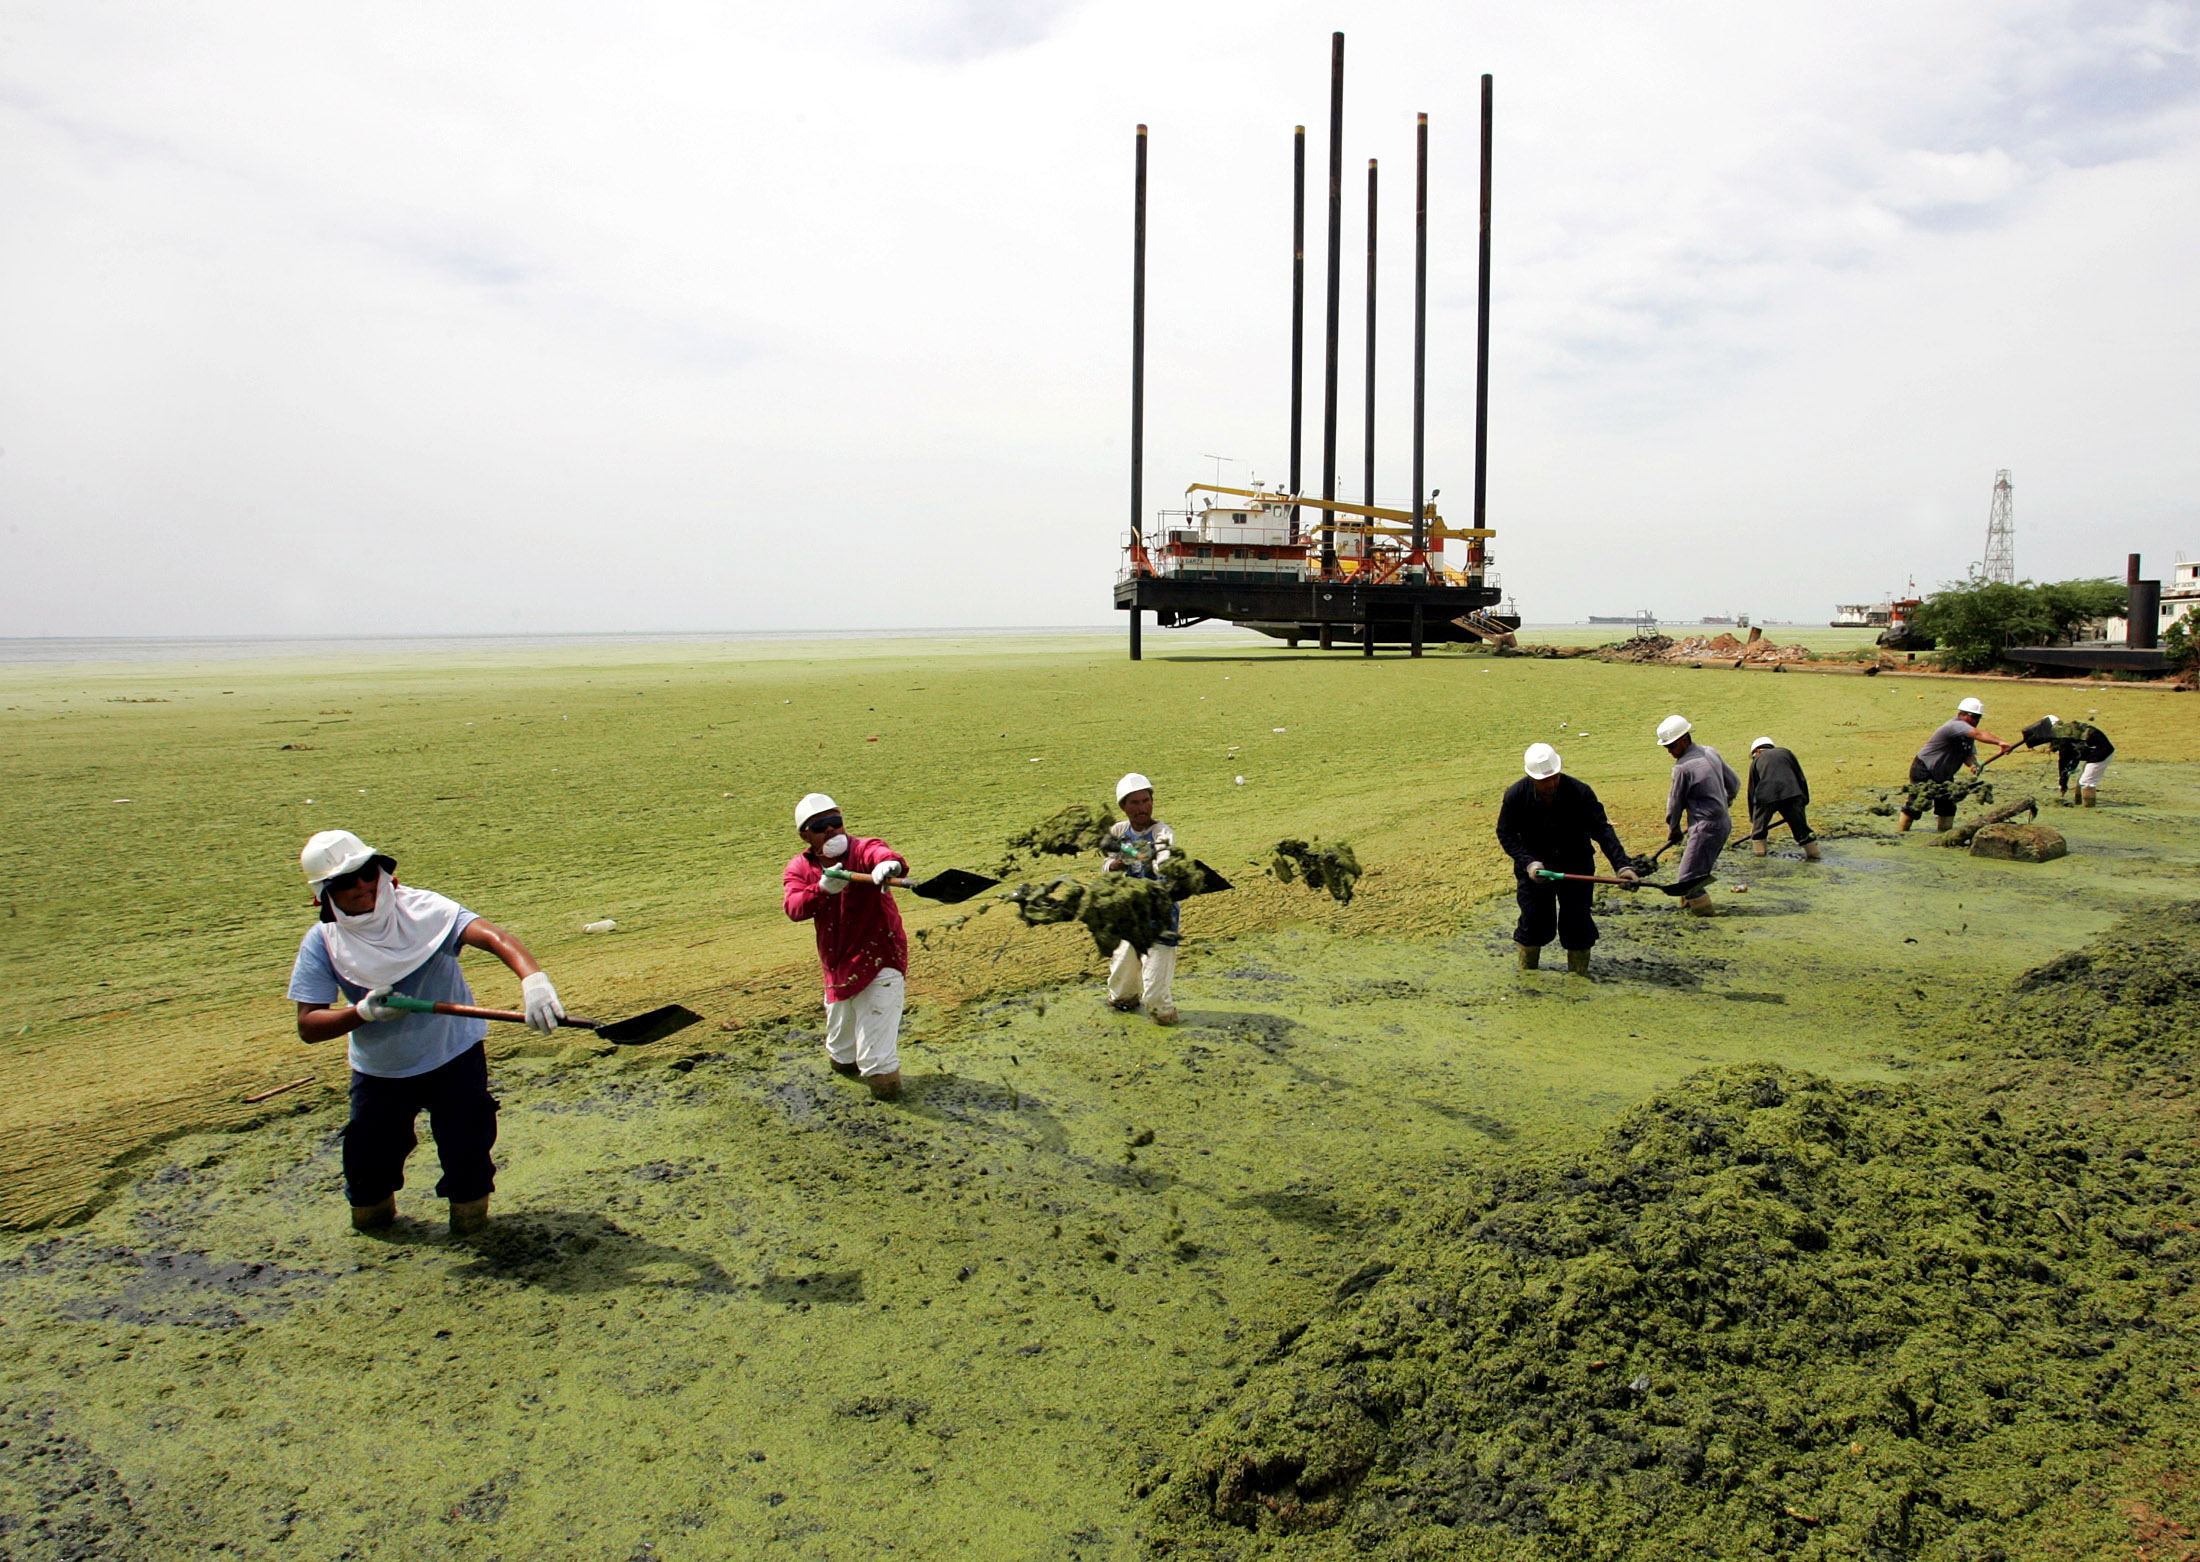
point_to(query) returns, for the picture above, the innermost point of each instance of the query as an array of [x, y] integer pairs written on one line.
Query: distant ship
[[1642, 620]]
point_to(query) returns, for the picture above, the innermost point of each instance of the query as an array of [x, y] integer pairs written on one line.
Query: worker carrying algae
[[1139, 845], [1778, 790], [1953, 745], [1550, 820], [376, 938], [2080, 748], [1698, 809], [839, 883]]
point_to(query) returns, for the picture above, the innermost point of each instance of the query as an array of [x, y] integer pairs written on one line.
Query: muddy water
[[733, 1308]]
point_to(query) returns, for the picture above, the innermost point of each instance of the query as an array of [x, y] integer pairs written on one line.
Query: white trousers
[[1149, 979], [866, 1030], [2090, 775]]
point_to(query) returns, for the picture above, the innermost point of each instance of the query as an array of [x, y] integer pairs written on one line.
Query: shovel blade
[[952, 886], [655, 1025], [1210, 881]]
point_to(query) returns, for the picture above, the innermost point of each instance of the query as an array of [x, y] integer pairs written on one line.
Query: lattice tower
[[2001, 535]]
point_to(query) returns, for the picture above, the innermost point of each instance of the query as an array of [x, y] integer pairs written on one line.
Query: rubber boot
[[374, 1217], [1577, 962], [1941, 823], [1758, 845], [1902, 824], [469, 1216], [884, 1087], [846, 1070], [1700, 905], [2085, 797], [1811, 853], [1531, 956]]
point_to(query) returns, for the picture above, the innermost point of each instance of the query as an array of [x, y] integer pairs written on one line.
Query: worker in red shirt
[[840, 883]]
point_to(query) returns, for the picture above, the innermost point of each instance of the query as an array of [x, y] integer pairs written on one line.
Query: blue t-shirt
[[412, 1043]]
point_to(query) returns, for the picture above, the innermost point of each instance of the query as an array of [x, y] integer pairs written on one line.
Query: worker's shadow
[[578, 1253]]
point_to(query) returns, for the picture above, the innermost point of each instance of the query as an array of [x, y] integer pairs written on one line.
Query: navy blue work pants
[[1561, 909], [461, 1114]]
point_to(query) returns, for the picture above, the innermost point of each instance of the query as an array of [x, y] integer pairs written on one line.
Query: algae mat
[[732, 1307]]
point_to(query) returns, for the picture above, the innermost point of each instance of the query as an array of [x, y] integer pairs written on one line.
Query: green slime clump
[[1068, 832], [2133, 992], [1332, 868], [1769, 1315], [1115, 908]]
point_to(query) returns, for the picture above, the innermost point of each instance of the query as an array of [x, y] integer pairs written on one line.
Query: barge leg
[[1367, 635], [1416, 629], [1325, 637], [1136, 615]]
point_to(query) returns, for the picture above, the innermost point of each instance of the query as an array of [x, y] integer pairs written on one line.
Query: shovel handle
[[467, 1011], [1585, 878], [849, 878]]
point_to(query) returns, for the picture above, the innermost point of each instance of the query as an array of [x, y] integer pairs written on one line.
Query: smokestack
[[1336, 250], [1482, 339], [1420, 326], [1138, 368]]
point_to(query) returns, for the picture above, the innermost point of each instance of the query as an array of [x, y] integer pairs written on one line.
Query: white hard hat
[[1541, 760], [810, 807], [1972, 706], [1758, 743], [333, 852], [2052, 718], [1134, 782], [1674, 727]]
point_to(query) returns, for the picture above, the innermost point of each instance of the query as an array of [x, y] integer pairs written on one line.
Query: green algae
[[2132, 993], [1767, 1315], [1068, 832], [1333, 868], [1114, 908]]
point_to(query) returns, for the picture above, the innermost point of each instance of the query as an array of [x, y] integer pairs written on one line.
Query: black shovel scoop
[[635, 1031], [950, 886]]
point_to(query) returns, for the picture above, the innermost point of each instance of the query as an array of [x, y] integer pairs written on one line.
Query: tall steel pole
[[1138, 369], [1336, 248], [1420, 330], [1482, 337], [1298, 310], [1367, 447]]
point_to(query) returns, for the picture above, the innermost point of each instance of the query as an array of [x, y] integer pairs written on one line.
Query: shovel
[[950, 886], [655, 1025], [1591, 878]]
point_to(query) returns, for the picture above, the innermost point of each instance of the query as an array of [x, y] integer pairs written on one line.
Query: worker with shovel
[[1550, 822], [1138, 844], [839, 883], [1778, 790], [1953, 745], [1698, 809], [2079, 747], [376, 940]]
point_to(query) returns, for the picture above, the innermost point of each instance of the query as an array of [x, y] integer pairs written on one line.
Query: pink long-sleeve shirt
[[859, 930]]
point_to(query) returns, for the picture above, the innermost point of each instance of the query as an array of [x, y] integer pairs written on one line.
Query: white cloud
[[703, 318]]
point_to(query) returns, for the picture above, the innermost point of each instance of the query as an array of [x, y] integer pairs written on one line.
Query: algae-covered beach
[[1366, 1257]]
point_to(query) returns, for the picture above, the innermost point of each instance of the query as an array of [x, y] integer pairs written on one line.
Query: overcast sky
[[429, 318]]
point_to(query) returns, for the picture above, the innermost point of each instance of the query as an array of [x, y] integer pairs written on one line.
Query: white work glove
[[885, 871], [373, 1010], [540, 1000], [832, 881], [1534, 868], [1629, 877]]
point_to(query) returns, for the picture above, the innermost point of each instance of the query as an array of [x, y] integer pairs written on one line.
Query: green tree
[[2180, 645], [1973, 622]]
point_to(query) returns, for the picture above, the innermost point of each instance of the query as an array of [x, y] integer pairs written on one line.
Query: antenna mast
[[2001, 535]]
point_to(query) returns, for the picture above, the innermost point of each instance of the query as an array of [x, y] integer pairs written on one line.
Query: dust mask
[[837, 846]]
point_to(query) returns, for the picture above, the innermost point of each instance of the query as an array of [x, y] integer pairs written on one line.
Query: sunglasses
[[344, 881], [826, 823]]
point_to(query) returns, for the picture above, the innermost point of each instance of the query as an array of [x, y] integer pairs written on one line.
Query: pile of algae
[[2133, 993], [1769, 1315]]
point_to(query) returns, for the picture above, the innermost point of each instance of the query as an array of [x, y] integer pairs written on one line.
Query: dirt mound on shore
[[1697, 648], [1769, 1315]]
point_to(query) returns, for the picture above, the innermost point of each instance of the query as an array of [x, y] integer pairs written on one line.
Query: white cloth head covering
[[1758, 743], [393, 940], [811, 806], [1134, 782], [1541, 760]]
